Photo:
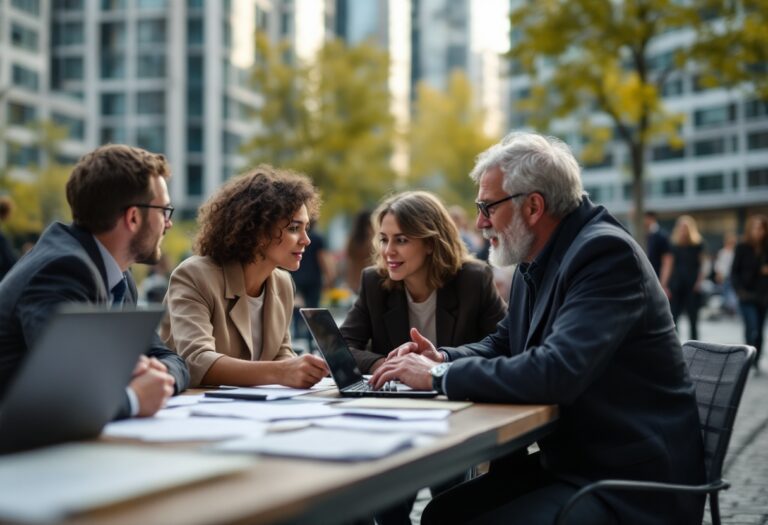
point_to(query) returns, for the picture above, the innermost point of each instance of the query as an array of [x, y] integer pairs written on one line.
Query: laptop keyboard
[[364, 386]]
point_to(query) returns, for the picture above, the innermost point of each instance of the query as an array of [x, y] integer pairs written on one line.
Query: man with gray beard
[[589, 329]]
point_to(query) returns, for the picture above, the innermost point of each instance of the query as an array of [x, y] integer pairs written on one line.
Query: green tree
[[733, 44], [40, 196], [446, 135], [598, 56], [329, 118]]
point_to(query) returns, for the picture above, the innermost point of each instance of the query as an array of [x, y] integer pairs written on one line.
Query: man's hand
[[153, 387], [302, 372], [418, 345], [411, 369]]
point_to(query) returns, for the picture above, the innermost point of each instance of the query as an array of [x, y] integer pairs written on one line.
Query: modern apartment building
[[26, 73], [719, 176]]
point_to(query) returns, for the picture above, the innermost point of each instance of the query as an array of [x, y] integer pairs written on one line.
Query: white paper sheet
[[393, 413], [322, 443], [263, 410], [184, 429], [50, 483], [382, 425]]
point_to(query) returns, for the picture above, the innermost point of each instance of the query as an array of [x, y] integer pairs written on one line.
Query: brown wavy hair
[[244, 213], [421, 215]]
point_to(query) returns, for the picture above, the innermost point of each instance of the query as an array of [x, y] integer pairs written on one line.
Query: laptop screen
[[333, 346]]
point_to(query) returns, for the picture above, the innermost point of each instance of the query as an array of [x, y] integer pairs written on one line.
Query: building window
[[704, 148], [21, 114], [194, 180], [605, 162], [757, 140], [29, 6], [714, 116], [111, 5], [151, 31], [673, 187], [195, 101], [672, 88], [195, 4], [25, 78], [667, 152], [112, 104], [75, 127], [152, 4], [151, 65], [68, 33], [757, 178], [150, 103], [112, 36], [710, 183], [756, 109], [66, 69], [68, 5], [151, 138], [112, 65], [23, 37], [195, 139], [21, 156], [232, 143], [195, 32], [113, 135]]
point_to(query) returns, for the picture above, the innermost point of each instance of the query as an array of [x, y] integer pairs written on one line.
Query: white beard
[[514, 243]]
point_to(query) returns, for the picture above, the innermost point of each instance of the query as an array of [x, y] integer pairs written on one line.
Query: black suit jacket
[[468, 308], [65, 266], [590, 329]]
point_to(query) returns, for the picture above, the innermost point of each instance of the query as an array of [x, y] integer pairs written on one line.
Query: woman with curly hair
[[230, 305], [424, 279]]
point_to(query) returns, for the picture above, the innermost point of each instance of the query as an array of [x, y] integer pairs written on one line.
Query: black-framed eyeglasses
[[485, 207], [167, 210]]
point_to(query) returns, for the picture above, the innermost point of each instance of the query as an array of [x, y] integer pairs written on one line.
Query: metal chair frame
[[719, 374]]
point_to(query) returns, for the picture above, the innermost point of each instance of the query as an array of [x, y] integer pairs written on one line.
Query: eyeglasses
[[167, 210], [485, 207]]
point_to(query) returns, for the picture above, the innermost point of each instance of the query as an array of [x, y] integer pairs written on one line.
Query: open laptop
[[341, 362], [73, 381]]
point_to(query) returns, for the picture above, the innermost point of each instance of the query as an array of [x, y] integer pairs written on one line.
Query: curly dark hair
[[245, 212]]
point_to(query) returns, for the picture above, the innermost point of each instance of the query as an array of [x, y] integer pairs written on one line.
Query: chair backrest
[[719, 373]]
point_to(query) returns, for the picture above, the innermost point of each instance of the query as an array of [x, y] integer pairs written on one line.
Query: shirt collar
[[114, 273]]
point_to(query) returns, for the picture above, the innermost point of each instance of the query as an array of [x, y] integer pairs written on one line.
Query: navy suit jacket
[[65, 266], [468, 308], [589, 329]]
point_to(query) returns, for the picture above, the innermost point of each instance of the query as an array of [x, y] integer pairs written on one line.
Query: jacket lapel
[[445, 314], [234, 291], [85, 238], [396, 318]]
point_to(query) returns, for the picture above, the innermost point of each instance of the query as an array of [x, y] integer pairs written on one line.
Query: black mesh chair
[[719, 373]]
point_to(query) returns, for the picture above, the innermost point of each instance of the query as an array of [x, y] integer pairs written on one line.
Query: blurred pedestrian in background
[[471, 239], [682, 282], [657, 243], [155, 284], [359, 250], [749, 276], [315, 274], [7, 256], [722, 268]]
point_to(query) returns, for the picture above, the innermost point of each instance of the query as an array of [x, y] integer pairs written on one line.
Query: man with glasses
[[121, 211], [588, 328]]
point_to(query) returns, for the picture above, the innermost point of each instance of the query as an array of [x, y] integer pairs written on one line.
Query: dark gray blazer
[[65, 266], [468, 308], [590, 329]]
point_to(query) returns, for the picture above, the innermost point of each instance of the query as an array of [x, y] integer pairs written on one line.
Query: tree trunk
[[637, 154]]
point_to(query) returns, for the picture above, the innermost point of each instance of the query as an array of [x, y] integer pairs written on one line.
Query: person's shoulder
[[282, 278], [195, 263]]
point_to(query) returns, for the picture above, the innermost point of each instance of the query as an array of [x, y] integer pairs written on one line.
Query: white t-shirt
[[255, 309], [422, 316]]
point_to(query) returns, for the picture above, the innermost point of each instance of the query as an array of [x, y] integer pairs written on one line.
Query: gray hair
[[534, 163]]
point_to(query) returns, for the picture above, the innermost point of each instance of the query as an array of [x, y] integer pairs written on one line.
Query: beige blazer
[[208, 315]]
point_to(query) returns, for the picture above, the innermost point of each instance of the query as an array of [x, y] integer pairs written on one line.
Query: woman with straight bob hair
[[423, 279], [230, 305]]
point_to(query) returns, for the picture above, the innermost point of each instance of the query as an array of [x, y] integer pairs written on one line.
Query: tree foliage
[[732, 43], [329, 118], [39, 195], [592, 61], [446, 135]]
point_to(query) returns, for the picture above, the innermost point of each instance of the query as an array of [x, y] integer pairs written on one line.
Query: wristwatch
[[437, 373]]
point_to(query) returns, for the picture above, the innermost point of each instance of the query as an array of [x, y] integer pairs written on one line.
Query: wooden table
[[279, 490]]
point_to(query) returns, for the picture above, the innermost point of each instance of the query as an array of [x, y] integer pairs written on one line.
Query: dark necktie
[[118, 292]]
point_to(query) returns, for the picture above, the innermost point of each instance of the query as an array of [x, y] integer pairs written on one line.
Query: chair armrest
[[626, 484]]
